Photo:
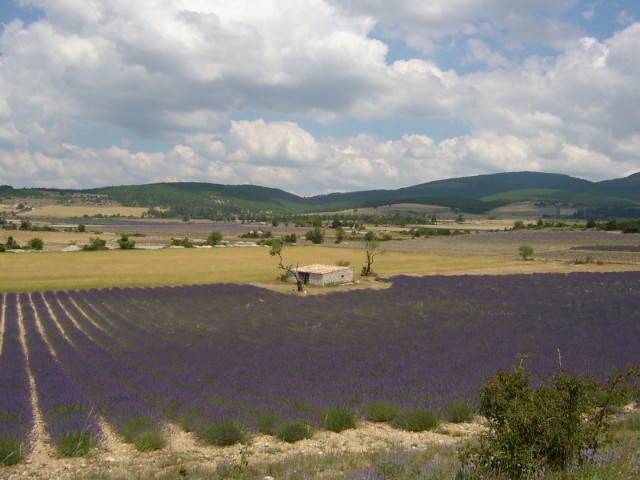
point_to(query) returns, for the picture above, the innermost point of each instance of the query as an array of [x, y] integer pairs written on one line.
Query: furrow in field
[[178, 393], [69, 418], [40, 439], [2, 314], [116, 403], [16, 408]]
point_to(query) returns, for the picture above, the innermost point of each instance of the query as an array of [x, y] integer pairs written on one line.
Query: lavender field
[[191, 356]]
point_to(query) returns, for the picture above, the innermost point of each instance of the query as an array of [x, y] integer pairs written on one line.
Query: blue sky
[[315, 96]]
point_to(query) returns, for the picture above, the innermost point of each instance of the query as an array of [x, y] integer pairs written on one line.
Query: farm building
[[322, 274]]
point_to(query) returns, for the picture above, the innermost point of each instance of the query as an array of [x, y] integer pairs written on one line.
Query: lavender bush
[[70, 422], [204, 354], [16, 414]]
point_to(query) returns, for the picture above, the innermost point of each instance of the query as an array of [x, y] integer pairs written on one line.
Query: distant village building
[[322, 274]]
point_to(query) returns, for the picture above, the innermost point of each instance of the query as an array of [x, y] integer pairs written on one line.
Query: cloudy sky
[[315, 96]]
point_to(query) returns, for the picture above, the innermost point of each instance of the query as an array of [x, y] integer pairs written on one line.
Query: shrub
[[11, 244], [293, 431], [381, 411], [11, 451], [315, 236], [550, 428], [95, 244], [290, 238], [214, 238], [338, 419], [181, 242], [124, 243], [224, 433], [35, 244], [266, 423], [75, 444], [460, 411], [418, 420], [149, 440], [145, 433]]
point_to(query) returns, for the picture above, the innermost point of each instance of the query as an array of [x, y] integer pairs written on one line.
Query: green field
[[25, 272]]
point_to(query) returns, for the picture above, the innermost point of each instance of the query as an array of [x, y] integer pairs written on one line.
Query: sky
[[316, 96]]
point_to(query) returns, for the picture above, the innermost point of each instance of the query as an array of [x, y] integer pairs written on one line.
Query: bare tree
[[276, 251]]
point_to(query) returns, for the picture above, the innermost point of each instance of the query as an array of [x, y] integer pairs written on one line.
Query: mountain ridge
[[472, 194]]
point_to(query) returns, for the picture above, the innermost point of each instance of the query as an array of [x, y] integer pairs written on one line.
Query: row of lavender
[[195, 355]]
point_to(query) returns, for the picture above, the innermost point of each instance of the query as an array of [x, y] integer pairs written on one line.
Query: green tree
[[315, 236], [371, 250], [124, 243], [214, 238], [11, 244], [277, 246], [340, 233], [525, 251]]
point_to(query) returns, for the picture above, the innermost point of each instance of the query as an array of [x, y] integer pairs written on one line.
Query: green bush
[[214, 238], [552, 428], [145, 433], [293, 431], [266, 423], [418, 420], [124, 243], [181, 242], [11, 244], [290, 238], [224, 433], [382, 411], [35, 244], [338, 419], [315, 236], [95, 244], [460, 411], [75, 444], [149, 440], [11, 451]]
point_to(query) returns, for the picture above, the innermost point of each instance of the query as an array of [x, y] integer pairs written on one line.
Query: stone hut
[[322, 274]]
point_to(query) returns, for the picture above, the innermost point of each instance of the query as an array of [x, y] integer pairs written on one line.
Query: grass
[[11, 451], [75, 444], [133, 268]]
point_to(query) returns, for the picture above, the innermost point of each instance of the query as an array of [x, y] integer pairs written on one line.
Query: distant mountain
[[477, 194]]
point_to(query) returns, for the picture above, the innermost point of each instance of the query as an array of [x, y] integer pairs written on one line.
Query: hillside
[[477, 194]]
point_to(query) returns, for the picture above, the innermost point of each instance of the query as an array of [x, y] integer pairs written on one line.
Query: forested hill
[[477, 194]]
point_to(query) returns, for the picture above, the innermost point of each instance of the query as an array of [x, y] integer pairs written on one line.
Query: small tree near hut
[[371, 250], [276, 251]]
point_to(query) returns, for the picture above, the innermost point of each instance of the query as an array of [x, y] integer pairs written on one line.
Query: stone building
[[322, 274]]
